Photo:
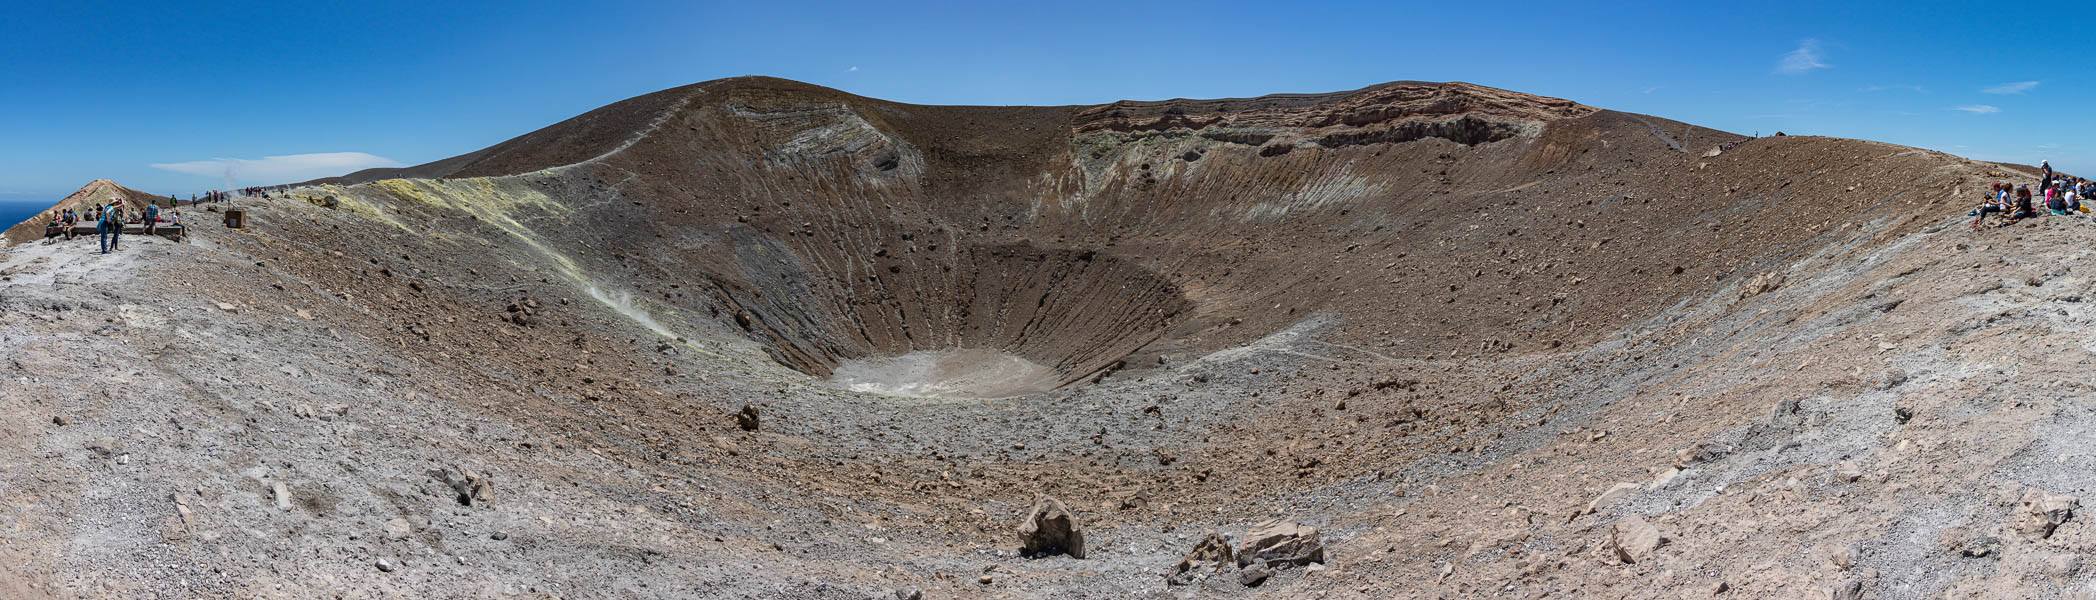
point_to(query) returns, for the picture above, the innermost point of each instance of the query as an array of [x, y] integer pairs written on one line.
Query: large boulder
[[1050, 528], [1278, 544]]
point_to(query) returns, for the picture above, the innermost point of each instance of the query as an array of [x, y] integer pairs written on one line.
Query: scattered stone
[[909, 593], [385, 565], [1850, 590], [1209, 556], [182, 509], [228, 307], [1609, 497], [104, 447], [472, 488], [1785, 414], [499, 536], [1050, 528], [1965, 543], [61, 420], [1848, 470], [1254, 575], [1634, 540], [1665, 477], [2044, 511], [747, 419], [1698, 453], [986, 579], [1720, 588], [1761, 284], [399, 529], [1276, 543], [283, 494], [1843, 558], [1892, 378]]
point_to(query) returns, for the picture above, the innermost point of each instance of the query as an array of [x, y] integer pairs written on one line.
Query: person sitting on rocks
[[2024, 210], [1997, 203]]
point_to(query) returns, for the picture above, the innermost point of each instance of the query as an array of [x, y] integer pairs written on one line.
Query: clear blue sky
[[108, 89]]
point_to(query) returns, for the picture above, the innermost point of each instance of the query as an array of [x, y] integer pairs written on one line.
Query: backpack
[[152, 212]]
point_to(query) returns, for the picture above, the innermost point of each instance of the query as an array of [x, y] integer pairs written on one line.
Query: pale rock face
[[1278, 543], [1634, 539]]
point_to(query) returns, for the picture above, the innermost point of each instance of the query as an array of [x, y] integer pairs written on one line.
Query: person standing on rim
[[108, 226]]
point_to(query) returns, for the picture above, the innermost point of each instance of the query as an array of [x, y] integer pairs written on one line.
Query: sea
[[15, 212]]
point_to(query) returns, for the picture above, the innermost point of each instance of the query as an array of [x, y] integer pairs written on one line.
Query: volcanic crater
[[753, 337]]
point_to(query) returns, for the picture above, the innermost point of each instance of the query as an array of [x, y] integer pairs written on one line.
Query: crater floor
[[955, 373]]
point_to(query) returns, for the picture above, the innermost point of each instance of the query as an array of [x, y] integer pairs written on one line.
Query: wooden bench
[[166, 230]]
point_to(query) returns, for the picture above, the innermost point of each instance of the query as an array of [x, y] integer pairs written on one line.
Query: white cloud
[[1802, 60], [280, 169], [852, 70], [2011, 88], [1897, 86], [1978, 109], [1651, 89]]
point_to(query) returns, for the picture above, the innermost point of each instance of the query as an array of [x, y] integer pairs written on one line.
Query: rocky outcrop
[[1279, 544], [1050, 528]]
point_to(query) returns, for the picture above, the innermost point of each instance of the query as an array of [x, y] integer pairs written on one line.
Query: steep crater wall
[[1075, 312]]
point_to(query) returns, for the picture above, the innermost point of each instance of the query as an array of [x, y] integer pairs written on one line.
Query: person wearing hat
[[111, 227]]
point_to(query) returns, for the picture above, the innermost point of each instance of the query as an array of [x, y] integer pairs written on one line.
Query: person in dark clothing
[[2024, 210]]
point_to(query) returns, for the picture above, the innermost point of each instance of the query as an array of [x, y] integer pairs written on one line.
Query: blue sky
[[111, 89]]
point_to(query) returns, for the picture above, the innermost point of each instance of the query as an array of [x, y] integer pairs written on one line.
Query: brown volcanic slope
[[1436, 321], [917, 227]]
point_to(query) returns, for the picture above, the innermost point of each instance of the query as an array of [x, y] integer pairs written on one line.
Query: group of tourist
[[2059, 195], [221, 196], [110, 220]]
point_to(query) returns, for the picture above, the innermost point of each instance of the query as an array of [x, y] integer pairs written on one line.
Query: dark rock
[[747, 418], [1254, 575]]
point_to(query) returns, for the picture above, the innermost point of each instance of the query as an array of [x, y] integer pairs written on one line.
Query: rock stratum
[[757, 338]]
